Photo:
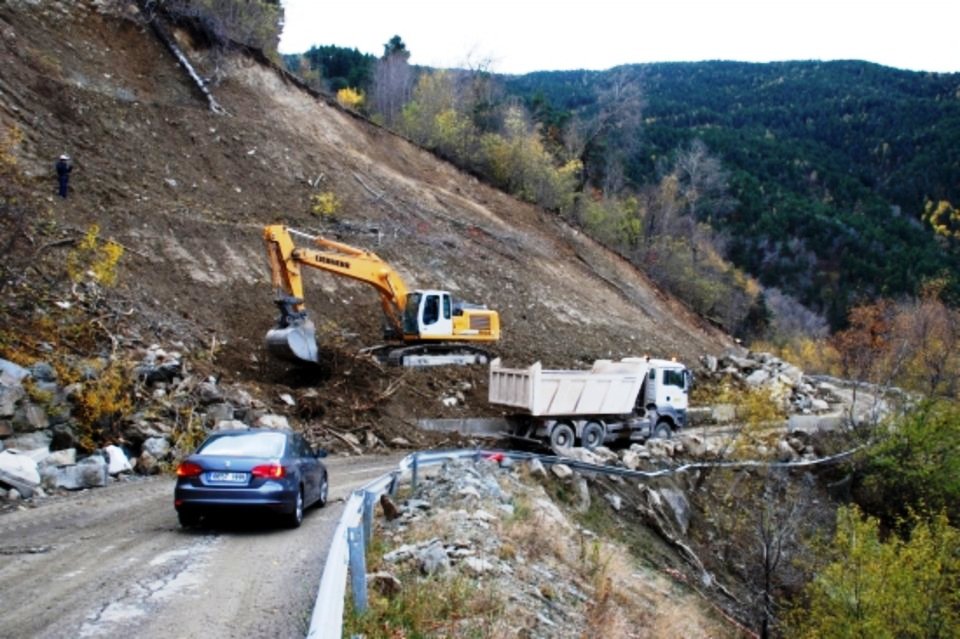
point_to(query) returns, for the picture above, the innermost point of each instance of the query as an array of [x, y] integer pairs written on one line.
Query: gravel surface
[[115, 562]]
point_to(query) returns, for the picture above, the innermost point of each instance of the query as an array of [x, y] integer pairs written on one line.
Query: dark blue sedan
[[275, 470]]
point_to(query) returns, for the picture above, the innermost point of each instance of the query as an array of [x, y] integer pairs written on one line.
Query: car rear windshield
[[246, 445]]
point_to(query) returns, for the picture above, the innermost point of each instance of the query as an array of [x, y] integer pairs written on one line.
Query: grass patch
[[450, 605]]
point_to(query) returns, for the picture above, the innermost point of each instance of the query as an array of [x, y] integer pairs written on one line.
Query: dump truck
[[424, 327], [631, 399]]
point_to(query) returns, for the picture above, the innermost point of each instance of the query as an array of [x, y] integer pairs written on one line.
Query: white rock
[[118, 462], [271, 420], [477, 565], [20, 467], [614, 500], [561, 470], [64, 457], [231, 424]]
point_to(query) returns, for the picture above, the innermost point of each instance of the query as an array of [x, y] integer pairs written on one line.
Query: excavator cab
[[427, 313]]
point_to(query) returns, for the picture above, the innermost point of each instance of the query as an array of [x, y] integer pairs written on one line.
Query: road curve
[[114, 562]]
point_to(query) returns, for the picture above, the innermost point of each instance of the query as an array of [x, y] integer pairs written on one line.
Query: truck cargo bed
[[609, 388]]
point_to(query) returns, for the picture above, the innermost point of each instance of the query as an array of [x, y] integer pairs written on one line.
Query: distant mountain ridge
[[831, 163]]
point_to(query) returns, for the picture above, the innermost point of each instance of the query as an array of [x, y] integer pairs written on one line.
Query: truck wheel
[[662, 430], [561, 438], [592, 436]]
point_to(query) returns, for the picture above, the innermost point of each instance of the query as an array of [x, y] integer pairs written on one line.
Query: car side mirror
[[320, 453]]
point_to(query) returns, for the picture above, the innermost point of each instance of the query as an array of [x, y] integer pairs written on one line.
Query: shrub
[[873, 587], [325, 204], [915, 463]]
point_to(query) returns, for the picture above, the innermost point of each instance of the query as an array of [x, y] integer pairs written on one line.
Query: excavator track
[[423, 355]]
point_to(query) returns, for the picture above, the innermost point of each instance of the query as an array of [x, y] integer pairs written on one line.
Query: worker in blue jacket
[[63, 173]]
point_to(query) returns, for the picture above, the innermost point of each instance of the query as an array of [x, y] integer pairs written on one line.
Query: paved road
[[114, 562]]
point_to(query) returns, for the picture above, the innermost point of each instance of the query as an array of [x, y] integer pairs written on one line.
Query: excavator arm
[[334, 257]]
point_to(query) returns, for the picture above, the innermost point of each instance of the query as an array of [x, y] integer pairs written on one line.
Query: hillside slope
[[187, 193]]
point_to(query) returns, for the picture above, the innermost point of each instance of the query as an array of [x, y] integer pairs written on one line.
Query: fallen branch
[[356, 449]]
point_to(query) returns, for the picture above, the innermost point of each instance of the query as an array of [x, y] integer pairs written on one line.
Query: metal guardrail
[[354, 530]]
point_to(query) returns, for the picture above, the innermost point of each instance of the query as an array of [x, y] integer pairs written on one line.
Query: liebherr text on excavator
[[432, 327]]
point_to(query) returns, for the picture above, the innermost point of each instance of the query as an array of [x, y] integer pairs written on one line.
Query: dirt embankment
[[187, 192]]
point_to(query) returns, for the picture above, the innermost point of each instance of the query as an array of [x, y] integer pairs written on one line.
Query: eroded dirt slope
[[187, 192]]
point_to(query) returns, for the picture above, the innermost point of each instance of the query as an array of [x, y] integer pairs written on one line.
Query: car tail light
[[188, 469], [270, 471]]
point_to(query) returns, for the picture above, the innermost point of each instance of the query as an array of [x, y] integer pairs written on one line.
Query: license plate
[[229, 477]]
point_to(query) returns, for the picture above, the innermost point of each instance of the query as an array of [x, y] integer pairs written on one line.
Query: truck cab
[[665, 391]]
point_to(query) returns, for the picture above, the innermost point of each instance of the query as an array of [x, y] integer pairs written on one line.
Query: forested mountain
[[831, 164]]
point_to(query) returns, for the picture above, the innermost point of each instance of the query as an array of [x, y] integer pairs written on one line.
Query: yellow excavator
[[428, 327]]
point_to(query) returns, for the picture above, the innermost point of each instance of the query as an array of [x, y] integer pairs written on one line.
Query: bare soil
[[187, 193]]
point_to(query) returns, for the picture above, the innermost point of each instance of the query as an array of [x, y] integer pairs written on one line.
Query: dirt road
[[114, 562]]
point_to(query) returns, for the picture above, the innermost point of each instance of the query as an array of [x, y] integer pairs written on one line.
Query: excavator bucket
[[296, 343]]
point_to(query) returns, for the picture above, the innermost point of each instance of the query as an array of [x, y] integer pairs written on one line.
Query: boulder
[[12, 374], [271, 420], [433, 559], [219, 412], [384, 583], [584, 455], [43, 372], [90, 472], [30, 441], [231, 424], [66, 457], [758, 377], [562, 471], [606, 455], [675, 505], [148, 464], [158, 447], [631, 459], [117, 460], [19, 467], [536, 469], [582, 489], [29, 418], [615, 501], [209, 392], [9, 397]]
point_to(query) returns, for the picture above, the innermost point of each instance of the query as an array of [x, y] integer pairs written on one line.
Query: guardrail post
[[358, 568], [369, 499], [394, 483], [413, 471]]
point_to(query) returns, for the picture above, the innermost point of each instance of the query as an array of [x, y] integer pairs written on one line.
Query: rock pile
[[41, 434], [534, 572], [795, 392]]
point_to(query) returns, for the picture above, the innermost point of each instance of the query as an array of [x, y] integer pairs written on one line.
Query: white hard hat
[[64, 157]]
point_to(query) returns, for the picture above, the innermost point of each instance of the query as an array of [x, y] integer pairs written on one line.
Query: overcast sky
[[519, 36]]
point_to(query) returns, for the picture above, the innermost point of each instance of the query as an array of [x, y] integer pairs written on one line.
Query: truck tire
[[593, 435], [561, 438], [662, 430]]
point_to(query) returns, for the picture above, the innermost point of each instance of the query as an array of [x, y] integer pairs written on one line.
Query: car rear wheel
[[295, 518], [188, 518], [324, 489]]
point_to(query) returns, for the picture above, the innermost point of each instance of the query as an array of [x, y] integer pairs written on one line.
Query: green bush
[[876, 588], [915, 464]]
